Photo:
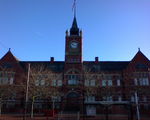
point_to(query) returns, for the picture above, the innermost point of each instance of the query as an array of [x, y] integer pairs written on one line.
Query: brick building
[[74, 84]]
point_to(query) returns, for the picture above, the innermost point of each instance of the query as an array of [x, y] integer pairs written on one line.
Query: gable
[[9, 57], [139, 62], [10, 62]]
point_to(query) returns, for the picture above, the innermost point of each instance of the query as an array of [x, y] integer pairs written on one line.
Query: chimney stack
[[96, 59], [52, 59]]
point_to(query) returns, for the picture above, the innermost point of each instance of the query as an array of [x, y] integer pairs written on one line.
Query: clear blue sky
[[112, 29]]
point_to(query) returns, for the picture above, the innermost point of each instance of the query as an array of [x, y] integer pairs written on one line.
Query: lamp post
[[0, 105], [27, 91], [32, 108], [137, 106], [53, 104]]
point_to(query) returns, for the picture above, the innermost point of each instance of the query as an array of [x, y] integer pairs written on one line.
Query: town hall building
[[88, 87]]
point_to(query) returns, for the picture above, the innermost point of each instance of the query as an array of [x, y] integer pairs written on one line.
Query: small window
[[90, 98], [146, 81], [104, 82], [11, 81], [86, 83], [5, 80], [107, 98], [109, 82], [144, 99], [118, 82], [37, 83], [135, 81], [54, 83], [56, 98], [73, 79], [92, 83], [132, 98], [42, 82], [119, 98], [59, 82]]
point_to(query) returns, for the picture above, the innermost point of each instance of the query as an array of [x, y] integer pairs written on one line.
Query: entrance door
[[73, 102]]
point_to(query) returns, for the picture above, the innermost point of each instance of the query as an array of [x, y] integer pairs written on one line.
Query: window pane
[[141, 81], [109, 82], [5, 80], [36, 82], [59, 82], [103, 82], [42, 82], [132, 99], [11, 81], [86, 83], [135, 81], [118, 82], [119, 98], [54, 83], [147, 81], [92, 83]]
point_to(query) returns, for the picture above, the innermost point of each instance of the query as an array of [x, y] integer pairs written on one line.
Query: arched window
[[73, 95], [73, 77]]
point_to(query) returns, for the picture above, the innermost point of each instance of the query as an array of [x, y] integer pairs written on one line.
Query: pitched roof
[[106, 65], [9, 57], [139, 55], [56, 66]]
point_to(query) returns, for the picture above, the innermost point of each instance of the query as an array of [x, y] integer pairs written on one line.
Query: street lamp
[[137, 106], [32, 108], [53, 103], [27, 90]]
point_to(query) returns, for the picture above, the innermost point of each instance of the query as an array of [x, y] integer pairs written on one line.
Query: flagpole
[[74, 8]]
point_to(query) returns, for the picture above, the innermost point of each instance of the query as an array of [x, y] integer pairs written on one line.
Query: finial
[[66, 32], [80, 32], [138, 49], [9, 49]]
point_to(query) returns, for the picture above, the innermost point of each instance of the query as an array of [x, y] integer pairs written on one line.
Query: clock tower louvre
[[73, 46]]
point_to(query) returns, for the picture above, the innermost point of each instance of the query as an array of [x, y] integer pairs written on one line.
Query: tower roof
[[74, 30]]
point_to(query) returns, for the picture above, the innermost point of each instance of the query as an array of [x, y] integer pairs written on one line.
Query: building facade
[[76, 85]]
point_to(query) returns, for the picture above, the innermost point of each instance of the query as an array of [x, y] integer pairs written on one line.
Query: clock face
[[74, 45]]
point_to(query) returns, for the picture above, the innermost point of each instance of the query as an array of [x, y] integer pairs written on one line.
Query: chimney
[[96, 59], [52, 59]]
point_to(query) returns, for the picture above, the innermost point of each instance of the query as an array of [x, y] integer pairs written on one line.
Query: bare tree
[[91, 85], [43, 84], [7, 89]]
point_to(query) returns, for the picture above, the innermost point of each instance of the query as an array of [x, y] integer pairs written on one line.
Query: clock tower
[[72, 82], [73, 51]]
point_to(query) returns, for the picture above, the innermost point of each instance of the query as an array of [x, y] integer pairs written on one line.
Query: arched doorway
[[73, 102]]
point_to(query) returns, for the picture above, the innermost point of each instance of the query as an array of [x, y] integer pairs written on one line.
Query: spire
[[74, 30]]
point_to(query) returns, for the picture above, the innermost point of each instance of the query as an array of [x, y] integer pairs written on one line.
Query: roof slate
[[58, 66]]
